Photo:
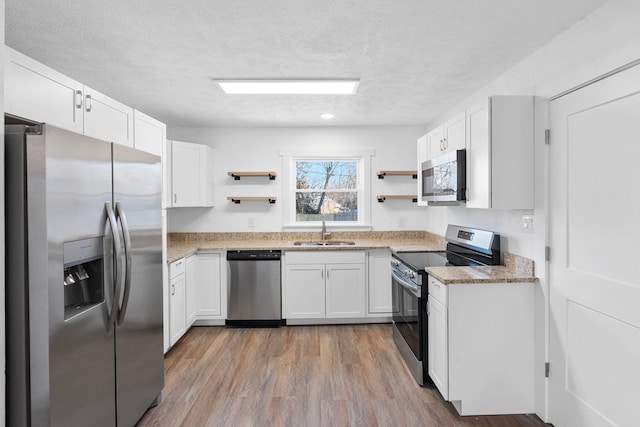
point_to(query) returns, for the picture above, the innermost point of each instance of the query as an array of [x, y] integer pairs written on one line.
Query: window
[[328, 185], [327, 190]]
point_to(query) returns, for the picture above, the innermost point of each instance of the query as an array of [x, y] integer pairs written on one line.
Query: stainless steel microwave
[[444, 179]]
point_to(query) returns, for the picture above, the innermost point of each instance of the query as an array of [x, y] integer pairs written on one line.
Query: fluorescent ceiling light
[[326, 116], [289, 87]]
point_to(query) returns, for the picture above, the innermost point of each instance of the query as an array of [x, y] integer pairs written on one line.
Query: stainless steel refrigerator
[[84, 279]]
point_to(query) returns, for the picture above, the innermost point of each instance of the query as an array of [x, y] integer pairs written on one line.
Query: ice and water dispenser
[[83, 275]]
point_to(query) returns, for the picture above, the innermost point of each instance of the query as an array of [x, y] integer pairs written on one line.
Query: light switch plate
[[527, 223]]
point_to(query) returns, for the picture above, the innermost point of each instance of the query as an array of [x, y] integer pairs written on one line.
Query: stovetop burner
[[420, 260]]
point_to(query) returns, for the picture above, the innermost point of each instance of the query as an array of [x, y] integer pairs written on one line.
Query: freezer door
[[137, 178], [72, 356]]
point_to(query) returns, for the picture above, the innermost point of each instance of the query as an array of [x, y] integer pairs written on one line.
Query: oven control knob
[[411, 275], [395, 263]]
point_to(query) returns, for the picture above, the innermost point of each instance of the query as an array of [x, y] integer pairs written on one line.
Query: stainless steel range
[[465, 247]]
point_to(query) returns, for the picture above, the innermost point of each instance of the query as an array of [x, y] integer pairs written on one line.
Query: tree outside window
[[327, 190]]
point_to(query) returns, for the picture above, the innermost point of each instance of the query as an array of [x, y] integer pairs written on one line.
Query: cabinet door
[[436, 142], [191, 289], [438, 346], [455, 133], [37, 92], [148, 133], [208, 286], [305, 291], [185, 174], [107, 119], [177, 308], [478, 156], [380, 301], [345, 287]]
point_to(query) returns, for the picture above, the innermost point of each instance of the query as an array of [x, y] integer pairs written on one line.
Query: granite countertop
[[185, 244], [516, 269]]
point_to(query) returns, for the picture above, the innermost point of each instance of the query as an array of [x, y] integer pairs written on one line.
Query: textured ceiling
[[415, 58]]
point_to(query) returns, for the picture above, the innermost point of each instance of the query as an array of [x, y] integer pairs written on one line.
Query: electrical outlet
[[401, 222], [251, 222], [527, 223]]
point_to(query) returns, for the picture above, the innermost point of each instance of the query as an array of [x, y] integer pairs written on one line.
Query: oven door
[[407, 318]]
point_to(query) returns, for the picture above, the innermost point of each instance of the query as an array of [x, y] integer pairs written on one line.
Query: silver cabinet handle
[[175, 198], [322, 273], [128, 261], [78, 99], [88, 103], [446, 143], [327, 274], [117, 265], [178, 263], [173, 290]]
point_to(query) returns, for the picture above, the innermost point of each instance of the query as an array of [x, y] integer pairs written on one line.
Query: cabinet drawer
[[438, 290], [176, 268]]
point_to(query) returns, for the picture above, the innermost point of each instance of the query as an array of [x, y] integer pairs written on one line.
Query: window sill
[[330, 227]]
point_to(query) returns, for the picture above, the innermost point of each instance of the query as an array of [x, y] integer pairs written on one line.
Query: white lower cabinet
[[191, 276], [345, 290], [195, 293], [177, 301], [207, 288], [324, 285], [379, 296], [481, 346]]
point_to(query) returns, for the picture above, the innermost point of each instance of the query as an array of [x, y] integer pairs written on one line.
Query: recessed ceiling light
[[326, 116], [290, 87]]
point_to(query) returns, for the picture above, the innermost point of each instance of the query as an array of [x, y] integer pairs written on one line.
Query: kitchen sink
[[324, 243]]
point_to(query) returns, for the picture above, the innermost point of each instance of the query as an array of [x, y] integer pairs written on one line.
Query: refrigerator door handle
[[127, 264], [118, 265]]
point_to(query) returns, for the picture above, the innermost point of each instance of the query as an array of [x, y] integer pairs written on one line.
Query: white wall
[[257, 149], [603, 41]]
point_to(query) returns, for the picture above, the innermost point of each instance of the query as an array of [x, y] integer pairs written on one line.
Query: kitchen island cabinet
[[481, 346]]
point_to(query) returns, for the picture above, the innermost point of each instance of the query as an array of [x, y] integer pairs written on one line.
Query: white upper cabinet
[[191, 172], [500, 153], [149, 134], [107, 119], [448, 137], [37, 92]]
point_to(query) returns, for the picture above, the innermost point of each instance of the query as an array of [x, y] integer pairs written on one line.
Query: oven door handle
[[405, 284]]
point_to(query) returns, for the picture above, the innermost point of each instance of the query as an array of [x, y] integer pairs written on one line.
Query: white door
[[594, 281]]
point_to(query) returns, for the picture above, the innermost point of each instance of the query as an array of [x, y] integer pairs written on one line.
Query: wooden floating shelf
[[383, 197], [236, 175], [382, 174], [238, 199]]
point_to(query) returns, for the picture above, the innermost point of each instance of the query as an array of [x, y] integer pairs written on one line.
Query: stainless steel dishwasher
[[254, 288]]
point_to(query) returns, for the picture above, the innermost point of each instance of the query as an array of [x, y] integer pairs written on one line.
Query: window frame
[[363, 159]]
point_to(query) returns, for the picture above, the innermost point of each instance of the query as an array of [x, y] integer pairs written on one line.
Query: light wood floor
[[346, 375]]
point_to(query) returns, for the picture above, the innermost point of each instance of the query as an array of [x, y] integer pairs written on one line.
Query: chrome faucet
[[325, 235]]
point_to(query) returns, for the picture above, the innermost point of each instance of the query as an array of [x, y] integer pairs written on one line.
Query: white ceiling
[[415, 58]]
